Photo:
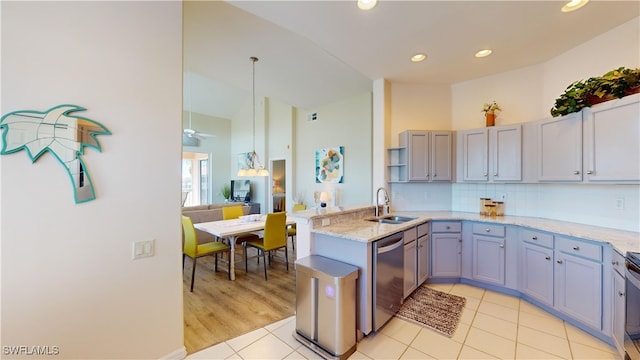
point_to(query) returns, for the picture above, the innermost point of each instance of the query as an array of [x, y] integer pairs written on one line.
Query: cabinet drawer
[[538, 238], [423, 229], [617, 262], [410, 235], [579, 248], [446, 226], [487, 229]]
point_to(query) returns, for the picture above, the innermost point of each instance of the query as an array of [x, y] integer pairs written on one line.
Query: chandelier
[[255, 167]]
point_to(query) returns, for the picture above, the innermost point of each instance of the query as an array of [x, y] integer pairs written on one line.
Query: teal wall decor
[[55, 131]]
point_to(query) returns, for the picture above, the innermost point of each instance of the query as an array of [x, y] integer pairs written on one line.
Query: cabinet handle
[[576, 248], [547, 257], [487, 230], [448, 227], [620, 293], [559, 261], [589, 172], [576, 172], [534, 238], [435, 175], [485, 174], [502, 246], [495, 174], [615, 263], [459, 240]]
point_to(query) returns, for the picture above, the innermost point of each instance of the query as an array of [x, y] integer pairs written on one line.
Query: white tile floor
[[493, 326]]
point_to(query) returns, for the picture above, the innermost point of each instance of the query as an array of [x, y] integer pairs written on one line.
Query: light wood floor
[[218, 309]]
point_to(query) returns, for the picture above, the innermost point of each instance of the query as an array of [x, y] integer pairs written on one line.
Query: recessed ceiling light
[[367, 4], [574, 5], [418, 57], [483, 53]]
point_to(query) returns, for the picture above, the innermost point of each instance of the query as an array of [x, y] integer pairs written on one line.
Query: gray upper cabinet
[[560, 148], [428, 155], [492, 154], [597, 144], [612, 140]]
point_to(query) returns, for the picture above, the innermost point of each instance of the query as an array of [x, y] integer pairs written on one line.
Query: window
[[195, 179]]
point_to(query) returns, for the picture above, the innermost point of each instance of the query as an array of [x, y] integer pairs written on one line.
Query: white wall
[[528, 94], [346, 123], [68, 279], [218, 147], [280, 135]]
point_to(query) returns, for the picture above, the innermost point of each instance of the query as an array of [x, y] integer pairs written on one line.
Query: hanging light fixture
[[255, 167]]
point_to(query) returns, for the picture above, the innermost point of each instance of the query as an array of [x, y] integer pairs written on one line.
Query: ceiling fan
[[190, 136]]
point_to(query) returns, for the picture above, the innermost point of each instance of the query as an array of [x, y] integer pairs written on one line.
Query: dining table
[[233, 228]]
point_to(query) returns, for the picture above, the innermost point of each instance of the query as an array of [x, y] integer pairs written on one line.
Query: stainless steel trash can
[[326, 306]]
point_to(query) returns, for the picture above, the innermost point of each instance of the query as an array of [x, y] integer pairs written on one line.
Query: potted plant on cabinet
[[616, 83], [490, 110]]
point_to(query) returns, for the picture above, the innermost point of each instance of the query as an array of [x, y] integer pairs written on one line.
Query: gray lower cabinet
[[578, 280], [446, 249], [410, 261], [488, 242], [424, 258], [618, 301], [536, 266]]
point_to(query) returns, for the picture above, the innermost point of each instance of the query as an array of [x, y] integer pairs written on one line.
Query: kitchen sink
[[391, 219]]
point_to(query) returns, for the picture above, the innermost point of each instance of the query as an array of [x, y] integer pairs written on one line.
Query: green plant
[[573, 99], [616, 83], [226, 192]]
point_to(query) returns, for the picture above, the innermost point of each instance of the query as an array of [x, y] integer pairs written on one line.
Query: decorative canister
[[483, 202], [499, 208]]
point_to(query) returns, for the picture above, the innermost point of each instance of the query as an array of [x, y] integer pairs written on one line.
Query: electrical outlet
[[620, 203], [143, 249]]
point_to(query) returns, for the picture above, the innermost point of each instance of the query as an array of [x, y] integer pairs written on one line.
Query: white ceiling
[[315, 52]]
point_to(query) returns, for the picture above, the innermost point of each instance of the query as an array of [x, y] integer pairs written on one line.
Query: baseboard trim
[[176, 355]]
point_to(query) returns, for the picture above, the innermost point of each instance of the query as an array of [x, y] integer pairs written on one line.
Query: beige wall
[[346, 123], [68, 278]]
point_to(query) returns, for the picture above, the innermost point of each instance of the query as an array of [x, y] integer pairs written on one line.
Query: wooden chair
[[192, 249], [291, 230], [274, 237]]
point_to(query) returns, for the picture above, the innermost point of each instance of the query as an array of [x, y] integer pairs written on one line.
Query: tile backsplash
[[613, 206]]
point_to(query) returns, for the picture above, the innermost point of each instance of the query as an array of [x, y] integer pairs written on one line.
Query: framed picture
[[330, 165]]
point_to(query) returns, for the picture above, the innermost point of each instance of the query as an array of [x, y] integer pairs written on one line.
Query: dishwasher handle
[[389, 244]]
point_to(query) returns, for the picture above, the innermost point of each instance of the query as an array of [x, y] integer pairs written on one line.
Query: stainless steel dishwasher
[[388, 278]]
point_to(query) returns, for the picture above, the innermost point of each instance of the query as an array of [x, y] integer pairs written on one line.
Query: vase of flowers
[[490, 110]]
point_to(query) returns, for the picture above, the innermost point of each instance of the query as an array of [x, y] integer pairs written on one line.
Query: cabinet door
[[441, 145], [423, 259], [506, 148], [418, 155], [475, 155], [446, 250], [619, 303], [560, 148], [612, 141], [488, 259], [410, 265], [578, 288], [536, 267]]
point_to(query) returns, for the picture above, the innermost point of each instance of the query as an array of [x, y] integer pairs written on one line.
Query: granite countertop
[[358, 229]]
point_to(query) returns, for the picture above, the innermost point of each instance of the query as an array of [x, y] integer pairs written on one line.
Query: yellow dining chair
[[291, 230], [234, 212], [274, 237], [192, 249]]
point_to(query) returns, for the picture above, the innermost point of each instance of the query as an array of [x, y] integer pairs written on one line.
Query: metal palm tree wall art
[[58, 132]]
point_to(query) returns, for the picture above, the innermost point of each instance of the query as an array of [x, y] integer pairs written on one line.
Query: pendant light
[[255, 167]]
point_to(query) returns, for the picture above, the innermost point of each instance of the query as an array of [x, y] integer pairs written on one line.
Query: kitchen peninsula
[[497, 253]]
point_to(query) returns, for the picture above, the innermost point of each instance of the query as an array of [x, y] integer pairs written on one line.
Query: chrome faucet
[[385, 207]]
